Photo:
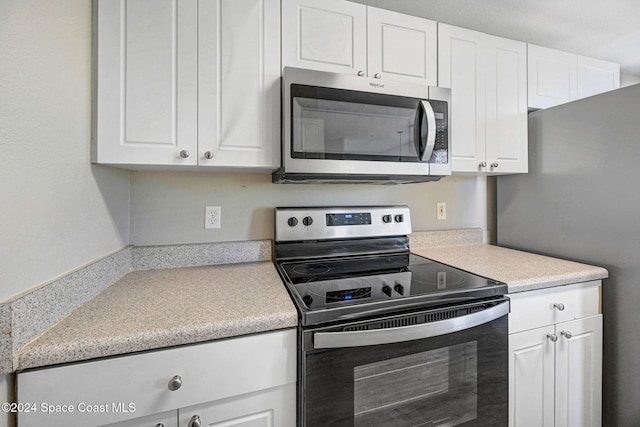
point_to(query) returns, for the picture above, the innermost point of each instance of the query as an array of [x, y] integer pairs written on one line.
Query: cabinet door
[[208, 371], [324, 35], [552, 77], [579, 373], [265, 408], [165, 419], [506, 116], [531, 378], [460, 52], [596, 76], [402, 47], [146, 82], [239, 84]]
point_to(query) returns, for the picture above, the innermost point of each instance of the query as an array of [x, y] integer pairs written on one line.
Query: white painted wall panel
[[58, 211]]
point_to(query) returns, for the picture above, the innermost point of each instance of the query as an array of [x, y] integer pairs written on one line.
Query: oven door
[[444, 367]]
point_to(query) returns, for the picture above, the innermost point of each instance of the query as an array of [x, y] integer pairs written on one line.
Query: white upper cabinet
[[459, 54], [344, 37], [187, 83], [146, 82], [557, 77], [488, 80], [596, 76], [506, 120], [324, 35], [239, 84], [401, 47], [553, 77]]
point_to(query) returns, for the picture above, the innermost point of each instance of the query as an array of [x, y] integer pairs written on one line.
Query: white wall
[[628, 80], [58, 212], [168, 208]]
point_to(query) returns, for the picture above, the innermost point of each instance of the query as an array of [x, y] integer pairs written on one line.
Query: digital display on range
[[348, 219], [348, 295]]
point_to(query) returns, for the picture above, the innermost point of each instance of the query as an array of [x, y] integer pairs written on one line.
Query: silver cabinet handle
[[552, 337], [184, 154], [566, 334], [377, 75], [361, 73], [559, 306], [195, 421], [494, 165], [483, 164], [208, 155], [175, 383], [408, 333]]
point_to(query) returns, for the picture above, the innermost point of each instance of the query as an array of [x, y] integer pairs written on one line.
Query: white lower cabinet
[[165, 419], [245, 381], [267, 408], [555, 357]]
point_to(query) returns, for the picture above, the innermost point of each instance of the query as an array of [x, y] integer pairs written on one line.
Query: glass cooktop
[[342, 287]]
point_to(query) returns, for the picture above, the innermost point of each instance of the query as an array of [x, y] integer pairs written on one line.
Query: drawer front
[[535, 309], [133, 386]]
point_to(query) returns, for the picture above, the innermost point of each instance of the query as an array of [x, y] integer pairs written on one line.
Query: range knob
[[386, 219], [307, 220], [307, 299], [399, 218], [293, 221], [399, 288], [386, 290]]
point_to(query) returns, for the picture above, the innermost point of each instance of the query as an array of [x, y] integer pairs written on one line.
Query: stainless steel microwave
[[351, 129]]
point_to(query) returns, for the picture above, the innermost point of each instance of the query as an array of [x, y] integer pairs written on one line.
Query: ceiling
[[596, 28]]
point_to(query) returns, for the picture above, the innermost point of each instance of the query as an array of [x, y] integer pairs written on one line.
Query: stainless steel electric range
[[386, 337]]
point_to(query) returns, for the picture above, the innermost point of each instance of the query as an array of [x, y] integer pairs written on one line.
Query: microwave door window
[[335, 129]]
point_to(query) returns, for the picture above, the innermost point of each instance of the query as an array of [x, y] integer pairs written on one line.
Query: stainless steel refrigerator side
[[580, 201]]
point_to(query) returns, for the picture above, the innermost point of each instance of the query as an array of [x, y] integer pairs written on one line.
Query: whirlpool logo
[[377, 85]]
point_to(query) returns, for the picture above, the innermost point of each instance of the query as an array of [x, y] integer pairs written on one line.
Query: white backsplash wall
[[58, 211], [168, 207]]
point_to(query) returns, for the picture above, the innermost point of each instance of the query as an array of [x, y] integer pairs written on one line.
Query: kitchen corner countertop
[[521, 271], [155, 309]]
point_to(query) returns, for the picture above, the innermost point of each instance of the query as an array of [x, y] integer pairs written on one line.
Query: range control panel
[[324, 223], [357, 290]]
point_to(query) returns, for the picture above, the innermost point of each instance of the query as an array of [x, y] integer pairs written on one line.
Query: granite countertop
[[154, 309], [522, 271]]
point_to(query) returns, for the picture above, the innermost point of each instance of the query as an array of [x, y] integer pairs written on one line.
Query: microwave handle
[[430, 141], [408, 333]]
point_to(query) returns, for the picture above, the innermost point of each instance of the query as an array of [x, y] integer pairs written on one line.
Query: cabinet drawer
[[208, 371], [543, 307]]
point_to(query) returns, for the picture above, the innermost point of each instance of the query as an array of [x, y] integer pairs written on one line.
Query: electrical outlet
[[441, 210], [441, 279], [212, 216]]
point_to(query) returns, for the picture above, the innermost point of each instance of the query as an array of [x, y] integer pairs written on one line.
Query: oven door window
[[349, 125], [455, 379]]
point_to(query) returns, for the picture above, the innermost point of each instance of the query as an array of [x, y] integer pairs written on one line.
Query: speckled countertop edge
[[204, 303], [67, 341], [24, 317], [521, 271]]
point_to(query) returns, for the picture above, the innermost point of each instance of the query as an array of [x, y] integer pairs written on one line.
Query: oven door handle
[[408, 333]]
